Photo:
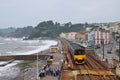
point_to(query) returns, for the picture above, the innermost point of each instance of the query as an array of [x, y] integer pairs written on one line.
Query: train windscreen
[[79, 52]]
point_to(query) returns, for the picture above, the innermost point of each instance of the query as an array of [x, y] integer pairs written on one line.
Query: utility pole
[[102, 42]]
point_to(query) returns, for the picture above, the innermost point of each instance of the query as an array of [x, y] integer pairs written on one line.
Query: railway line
[[93, 69]]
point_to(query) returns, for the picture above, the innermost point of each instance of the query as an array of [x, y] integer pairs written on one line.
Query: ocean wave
[[14, 39], [9, 70], [30, 41], [41, 48], [30, 49]]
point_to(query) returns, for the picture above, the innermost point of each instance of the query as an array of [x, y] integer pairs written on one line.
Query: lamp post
[[119, 50], [37, 67]]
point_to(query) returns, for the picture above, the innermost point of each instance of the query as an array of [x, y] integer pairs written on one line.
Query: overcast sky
[[20, 13]]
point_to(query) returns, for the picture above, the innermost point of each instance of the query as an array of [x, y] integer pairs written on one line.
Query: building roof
[[102, 30]]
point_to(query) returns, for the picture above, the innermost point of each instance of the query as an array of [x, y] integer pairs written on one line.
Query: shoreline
[[32, 68], [21, 75]]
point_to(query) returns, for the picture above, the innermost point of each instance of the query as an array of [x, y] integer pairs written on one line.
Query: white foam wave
[[47, 44], [41, 48], [14, 39], [9, 70], [2, 62], [30, 41]]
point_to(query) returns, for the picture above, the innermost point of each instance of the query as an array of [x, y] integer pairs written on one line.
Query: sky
[[21, 13]]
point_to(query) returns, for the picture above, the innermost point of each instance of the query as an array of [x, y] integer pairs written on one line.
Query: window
[[79, 52], [105, 42]]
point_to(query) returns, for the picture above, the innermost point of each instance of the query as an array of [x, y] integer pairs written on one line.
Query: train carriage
[[77, 53]]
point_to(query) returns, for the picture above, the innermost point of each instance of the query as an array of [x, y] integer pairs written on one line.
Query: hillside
[[50, 29], [7, 31], [22, 32], [44, 29], [16, 32]]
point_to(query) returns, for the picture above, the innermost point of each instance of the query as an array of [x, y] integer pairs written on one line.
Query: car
[[97, 46], [109, 51]]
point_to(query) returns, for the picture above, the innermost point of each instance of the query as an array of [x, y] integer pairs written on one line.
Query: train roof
[[75, 45]]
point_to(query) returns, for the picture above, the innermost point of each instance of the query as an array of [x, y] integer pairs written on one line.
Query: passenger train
[[77, 52]]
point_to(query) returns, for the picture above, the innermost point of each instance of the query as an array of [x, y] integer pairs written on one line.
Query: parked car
[[109, 51], [97, 46]]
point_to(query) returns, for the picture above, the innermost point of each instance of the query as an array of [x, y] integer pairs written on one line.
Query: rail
[[93, 69]]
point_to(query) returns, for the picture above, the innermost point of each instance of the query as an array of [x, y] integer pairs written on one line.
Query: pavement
[[57, 63]]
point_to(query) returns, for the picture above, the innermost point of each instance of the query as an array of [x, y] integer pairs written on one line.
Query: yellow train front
[[77, 52], [79, 56]]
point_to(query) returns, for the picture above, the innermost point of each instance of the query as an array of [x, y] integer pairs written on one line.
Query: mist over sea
[[18, 46]]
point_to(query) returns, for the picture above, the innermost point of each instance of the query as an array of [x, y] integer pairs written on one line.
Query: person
[[47, 71], [106, 60], [58, 71], [54, 72], [50, 71], [43, 73], [40, 75]]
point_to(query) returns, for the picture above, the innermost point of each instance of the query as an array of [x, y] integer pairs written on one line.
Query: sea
[[18, 46]]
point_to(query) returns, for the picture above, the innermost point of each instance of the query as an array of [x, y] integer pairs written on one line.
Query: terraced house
[[102, 35]]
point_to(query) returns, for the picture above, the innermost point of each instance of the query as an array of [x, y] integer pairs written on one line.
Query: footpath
[[50, 71]]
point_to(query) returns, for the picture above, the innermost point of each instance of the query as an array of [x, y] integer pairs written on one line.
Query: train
[[77, 52]]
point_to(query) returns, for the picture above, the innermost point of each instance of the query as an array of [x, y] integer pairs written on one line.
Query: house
[[117, 27], [62, 35], [91, 35], [70, 35], [81, 36], [88, 28], [102, 35]]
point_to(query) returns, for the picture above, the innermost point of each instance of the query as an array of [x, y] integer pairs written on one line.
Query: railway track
[[93, 69], [101, 67]]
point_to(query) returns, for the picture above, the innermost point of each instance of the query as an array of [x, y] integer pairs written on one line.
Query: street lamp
[[37, 67], [119, 50]]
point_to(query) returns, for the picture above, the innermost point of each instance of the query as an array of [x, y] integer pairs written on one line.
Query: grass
[[26, 65]]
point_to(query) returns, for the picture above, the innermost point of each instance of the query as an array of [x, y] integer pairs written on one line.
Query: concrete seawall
[[23, 57]]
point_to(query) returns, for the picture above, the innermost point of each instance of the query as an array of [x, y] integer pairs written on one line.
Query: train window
[[79, 52]]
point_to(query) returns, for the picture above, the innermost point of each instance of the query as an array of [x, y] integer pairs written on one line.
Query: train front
[[79, 56]]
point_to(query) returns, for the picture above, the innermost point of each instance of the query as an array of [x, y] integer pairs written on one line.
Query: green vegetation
[[45, 29], [6, 31], [50, 29], [26, 65], [22, 32]]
